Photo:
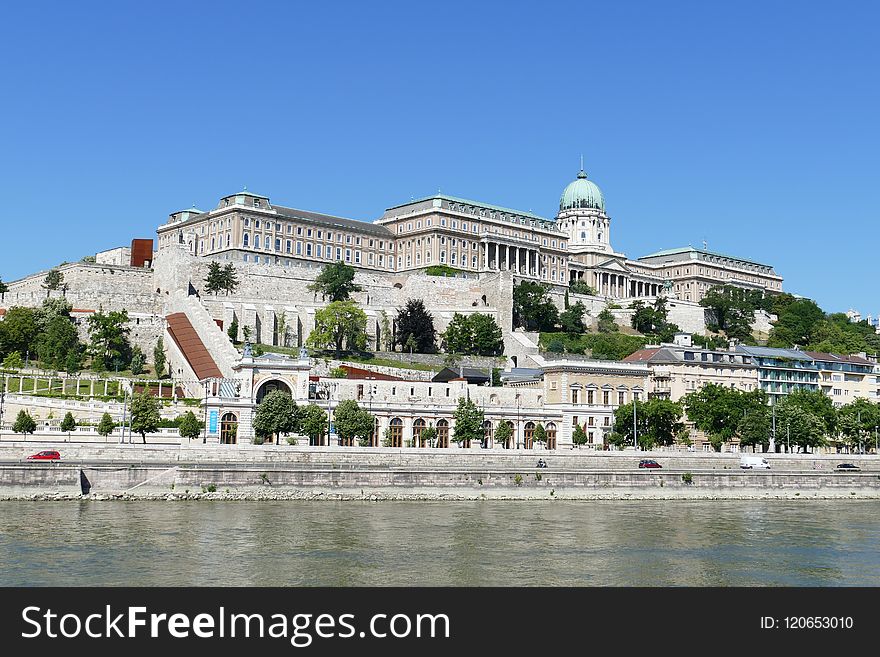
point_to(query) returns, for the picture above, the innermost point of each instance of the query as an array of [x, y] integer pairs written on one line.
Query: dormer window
[[256, 203]]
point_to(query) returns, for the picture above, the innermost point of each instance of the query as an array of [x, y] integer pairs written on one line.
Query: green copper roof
[[245, 192], [691, 249], [582, 193], [478, 204]]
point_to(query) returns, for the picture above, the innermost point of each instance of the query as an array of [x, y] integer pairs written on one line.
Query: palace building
[[470, 236]]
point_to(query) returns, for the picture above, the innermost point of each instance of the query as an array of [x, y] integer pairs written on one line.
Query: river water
[[589, 543]]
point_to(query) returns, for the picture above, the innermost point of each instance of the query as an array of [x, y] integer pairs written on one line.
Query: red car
[[45, 455], [649, 463]]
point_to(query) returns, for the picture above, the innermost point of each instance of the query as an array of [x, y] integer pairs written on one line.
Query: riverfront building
[[559, 396]]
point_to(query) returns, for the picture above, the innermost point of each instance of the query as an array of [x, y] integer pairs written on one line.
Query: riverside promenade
[[204, 471]]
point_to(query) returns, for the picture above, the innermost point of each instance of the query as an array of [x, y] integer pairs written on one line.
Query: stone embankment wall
[[280, 481]]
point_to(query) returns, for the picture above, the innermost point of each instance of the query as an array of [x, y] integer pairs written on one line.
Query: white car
[[753, 463]]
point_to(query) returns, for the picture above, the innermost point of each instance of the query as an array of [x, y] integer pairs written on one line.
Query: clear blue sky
[[752, 125]]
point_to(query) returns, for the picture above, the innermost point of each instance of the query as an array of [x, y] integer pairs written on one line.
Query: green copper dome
[[582, 194]]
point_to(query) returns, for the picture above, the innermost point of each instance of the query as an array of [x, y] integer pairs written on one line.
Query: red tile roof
[[821, 355], [192, 347], [641, 355]]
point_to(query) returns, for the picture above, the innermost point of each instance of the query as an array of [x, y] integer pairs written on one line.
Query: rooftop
[[691, 249], [333, 221], [480, 204]]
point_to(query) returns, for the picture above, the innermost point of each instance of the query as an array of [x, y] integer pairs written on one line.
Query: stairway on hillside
[[214, 340]]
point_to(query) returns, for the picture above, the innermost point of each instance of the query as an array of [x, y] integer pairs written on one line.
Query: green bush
[[441, 270], [518, 480], [687, 478]]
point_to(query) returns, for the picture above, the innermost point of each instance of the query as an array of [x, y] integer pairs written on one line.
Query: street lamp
[[518, 432], [635, 427], [205, 432]]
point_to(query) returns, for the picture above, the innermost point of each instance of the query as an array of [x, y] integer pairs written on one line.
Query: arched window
[[487, 433], [551, 435], [228, 429], [419, 427], [268, 243], [245, 240], [442, 433], [395, 432], [528, 435]]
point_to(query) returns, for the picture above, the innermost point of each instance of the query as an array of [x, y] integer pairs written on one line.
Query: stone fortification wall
[[90, 287], [268, 290], [687, 315]]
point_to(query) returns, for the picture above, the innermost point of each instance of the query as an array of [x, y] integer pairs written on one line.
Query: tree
[[281, 328], [579, 436], [817, 403], [411, 344], [353, 423], [754, 427], [73, 362], [797, 324], [106, 425], [335, 282], [658, 421], [540, 435], [717, 410], [19, 330], [313, 423], [581, 287], [427, 437], [232, 331], [24, 423], [468, 422], [572, 320], [857, 422], [606, 322], [54, 280], [503, 433], [13, 361], [189, 426], [229, 278], [476, 334], [56, 341], [277, 414], [214, 279], [340, 324], [138, 360], [797, 426], [159, 358], [68, 424], [414, 321], [532, 307], [385, 327], [733, 309], [108, 333], [145, 416]]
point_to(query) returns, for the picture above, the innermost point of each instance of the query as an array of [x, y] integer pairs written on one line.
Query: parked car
[[45, 455], [844, 467], [649, 463]]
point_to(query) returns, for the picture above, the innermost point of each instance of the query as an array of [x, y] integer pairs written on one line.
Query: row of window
[[475, 228]]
